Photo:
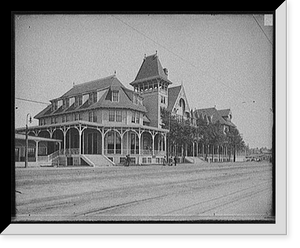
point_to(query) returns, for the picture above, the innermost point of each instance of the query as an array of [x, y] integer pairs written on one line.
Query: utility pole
[[26, 145]]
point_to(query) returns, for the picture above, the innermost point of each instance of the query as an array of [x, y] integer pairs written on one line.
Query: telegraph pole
[[26, 135]]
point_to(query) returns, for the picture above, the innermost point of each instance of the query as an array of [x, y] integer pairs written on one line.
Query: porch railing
[[134, 152], [48, 158], [69, 151]]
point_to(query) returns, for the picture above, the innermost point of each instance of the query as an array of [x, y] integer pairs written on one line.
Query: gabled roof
[[124, 101], [224, 112], [172, 96], [151, 68], [214, 114]]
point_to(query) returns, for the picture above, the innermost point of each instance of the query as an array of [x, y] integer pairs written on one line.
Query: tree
[[182, 133], [235, 140]]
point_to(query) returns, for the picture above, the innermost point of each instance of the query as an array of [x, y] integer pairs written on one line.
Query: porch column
[[152, 144], [121, 144], [193, 149], [165, 142], [65, 141], [36, 150], [83, 142], [80, 133], [140, 147], [102, 141]]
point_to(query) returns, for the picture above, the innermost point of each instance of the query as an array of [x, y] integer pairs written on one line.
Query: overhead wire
[[262, 29], [242, 96], [29, 100]]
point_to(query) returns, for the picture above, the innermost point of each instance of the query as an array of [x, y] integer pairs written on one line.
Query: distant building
[[212, 115]]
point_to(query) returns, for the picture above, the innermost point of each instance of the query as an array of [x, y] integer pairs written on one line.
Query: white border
[[280, 227]]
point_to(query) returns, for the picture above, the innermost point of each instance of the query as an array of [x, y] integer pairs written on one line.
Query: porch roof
[[91, 124]]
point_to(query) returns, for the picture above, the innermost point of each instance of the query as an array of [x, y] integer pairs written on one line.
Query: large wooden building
[[102, 121]]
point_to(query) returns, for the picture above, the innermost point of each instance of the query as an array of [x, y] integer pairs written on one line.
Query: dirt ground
[[188, 192]]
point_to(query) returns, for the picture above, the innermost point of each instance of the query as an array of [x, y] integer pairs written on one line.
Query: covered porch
[[114, 142], [41, 150]]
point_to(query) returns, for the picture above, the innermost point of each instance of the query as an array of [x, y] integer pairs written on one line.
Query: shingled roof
[[90, 86], [172, 96], [106, 85], [214, 114], [224, 112], [151, 68]]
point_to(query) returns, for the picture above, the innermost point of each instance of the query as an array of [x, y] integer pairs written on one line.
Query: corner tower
[[152, 83]]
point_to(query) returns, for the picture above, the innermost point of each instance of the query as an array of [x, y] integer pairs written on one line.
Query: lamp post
[[26, 142]]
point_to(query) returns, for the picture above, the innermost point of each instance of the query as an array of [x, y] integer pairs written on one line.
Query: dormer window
[[78, 100], [94, 97], [54, 105], [66, 103], [115, 96]]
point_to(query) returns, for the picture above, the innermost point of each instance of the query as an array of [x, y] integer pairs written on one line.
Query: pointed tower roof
[[151, 68], [173, 95]]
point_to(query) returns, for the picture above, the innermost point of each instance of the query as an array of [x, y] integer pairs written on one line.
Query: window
[[54, 105], [67, 102], [111, 115], [144, 160], [133, 117], [163, 99], [94, 97], [110, 143], [78, 101], [115, 96], [149, 161], [137, 118], [63, 118], [94, 116], [119, 116], [53, 120]]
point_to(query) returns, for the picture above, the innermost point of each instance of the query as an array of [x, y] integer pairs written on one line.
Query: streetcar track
[[217, 198], [131, 203], [174, 170], [66, 196], [67, 200]]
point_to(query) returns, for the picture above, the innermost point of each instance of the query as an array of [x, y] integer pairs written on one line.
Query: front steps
[[96, 160]]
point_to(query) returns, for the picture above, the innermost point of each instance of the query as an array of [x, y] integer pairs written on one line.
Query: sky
[[223, 61]]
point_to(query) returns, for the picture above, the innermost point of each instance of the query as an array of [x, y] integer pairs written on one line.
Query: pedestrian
[[175, 160], [127, 160], [164, 161], [170, 161]]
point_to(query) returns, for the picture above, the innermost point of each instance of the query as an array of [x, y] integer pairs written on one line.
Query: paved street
[[187, 192]]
